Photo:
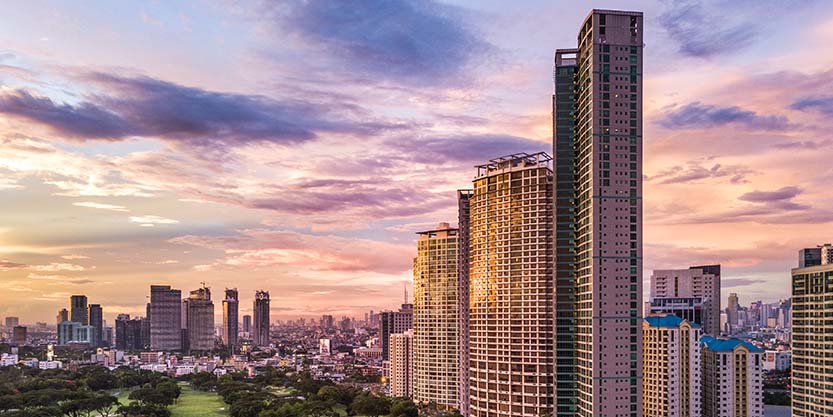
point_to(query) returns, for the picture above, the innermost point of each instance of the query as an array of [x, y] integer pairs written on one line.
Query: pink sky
[[297, 148]]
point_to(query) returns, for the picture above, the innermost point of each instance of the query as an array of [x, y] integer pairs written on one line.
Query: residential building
[[231, 307], [511, 287], [63, 315], [165, 314], [777, 360], [463, 215], [129, 333], [95, 315], [401, 364], [812, 389], [261, 319], [820, 255], [19, 335], [391, 322], [684, 286], [671, 367], [78, 309], [200, 319], [597, 123], [247, 324], [732, 312], [732, 385], [66, 332], [436, 318]]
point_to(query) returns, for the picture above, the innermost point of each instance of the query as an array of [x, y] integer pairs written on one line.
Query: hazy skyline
[[298, 146]]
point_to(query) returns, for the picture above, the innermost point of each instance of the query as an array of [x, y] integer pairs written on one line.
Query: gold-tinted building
[[436, 318], [511, 288]]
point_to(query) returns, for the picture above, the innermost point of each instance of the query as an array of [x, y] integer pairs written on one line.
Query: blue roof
[[726, 345], [668, 320]]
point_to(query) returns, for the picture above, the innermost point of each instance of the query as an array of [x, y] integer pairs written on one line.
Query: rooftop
[[726, 345], [668, 320]]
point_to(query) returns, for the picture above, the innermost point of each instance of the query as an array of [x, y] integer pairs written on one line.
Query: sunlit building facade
[[597, 135], [671, 367], [231, 308], [401, 364], [199, 318], [732, 385], [261, 324], [511, 287], [436, 317]]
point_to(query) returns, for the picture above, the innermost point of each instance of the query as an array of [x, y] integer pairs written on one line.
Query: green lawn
[[190, 404]]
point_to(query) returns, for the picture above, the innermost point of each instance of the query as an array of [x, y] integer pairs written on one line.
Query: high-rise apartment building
[[671, 367], [463, 214], [63, 315], [95, 315], [165, 313], [19, 334], [78, 309], [231, 306], [820, 255], [597, 123], [436, 318], [261, 319], [731, 384], [732, 309], [812, 389], [66, 331], [692, 293], [391, 322], [247, 324], [511, 287], [401, 364], [200, 319]]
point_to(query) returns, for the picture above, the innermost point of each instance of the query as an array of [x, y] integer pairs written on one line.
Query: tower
[[230, 318], [261, 318]]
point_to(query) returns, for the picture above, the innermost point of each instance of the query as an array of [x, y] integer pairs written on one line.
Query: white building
[[50, 365], [778, 360], [8, 359], [401, 364], [324, 347], [671, 367], [732, 385]]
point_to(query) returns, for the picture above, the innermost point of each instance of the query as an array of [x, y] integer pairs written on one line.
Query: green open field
[[190, 404]]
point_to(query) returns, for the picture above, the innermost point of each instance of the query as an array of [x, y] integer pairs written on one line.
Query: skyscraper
[[812, 289], [820, 255], [247, 324], [95, 316], [436, 317], [391, 322], [597, 123], [732, 312], [401, 364], [63, 315], [731, 384], [165, 318], [511, 287], [129, 335], [78, 309], [671, 381], [698, 287], [200, 319], [230, 320], [463, 214], [261, 318]]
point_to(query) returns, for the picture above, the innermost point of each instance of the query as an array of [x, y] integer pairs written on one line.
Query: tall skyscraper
[[671, 368], [732, 309], [247, 324], [812, 289], [689, 293], [231, 307], [95, 315], [63, 315], [129, 335], [165, 318], [200, 319], [436, 318], [731, 384], [511, 287], [401, 364], [261, 318], [78, 309], [463, 214], [597, 123], [391, 322], [19, 335]]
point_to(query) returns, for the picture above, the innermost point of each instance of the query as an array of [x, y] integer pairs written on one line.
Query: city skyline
[[123, 171]]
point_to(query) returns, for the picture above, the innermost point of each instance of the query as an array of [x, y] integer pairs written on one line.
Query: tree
[[314, 408], [170, 390], [249, 405], [403, 407], [135, 409], [370, 405], [148, 395], [100, 379], [203, 381]]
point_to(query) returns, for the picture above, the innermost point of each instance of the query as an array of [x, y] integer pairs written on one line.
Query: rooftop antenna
[[405, 287]]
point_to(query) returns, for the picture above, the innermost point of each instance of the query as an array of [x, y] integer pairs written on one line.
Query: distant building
[[694, 295], [84, 334], [19, 335], [231, 308], [436, 317], [401, 364], [463, 219], [165, 318], [671, 367], [247, 324], [261, 323], [63, 315], [12, 321], [732, 384], [78, 309], [200, 319], [95, 315], [324, 347], [777, 360], [129, 333], [391, 322], [820, 255], [66, 332], [732, 310]]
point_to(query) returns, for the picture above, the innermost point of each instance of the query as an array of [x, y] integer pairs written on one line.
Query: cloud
[[148, 107], [271, 248], [700, 33], [471, 148], [71, 257], [694, 171], [698, 115], [6, 265], [784, 193], [823, 104], [421, 43], [151, 221], [101, 206], [60, 278], [57, 266], [740, 282]]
